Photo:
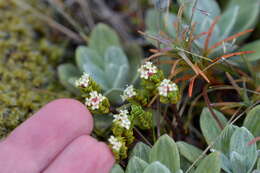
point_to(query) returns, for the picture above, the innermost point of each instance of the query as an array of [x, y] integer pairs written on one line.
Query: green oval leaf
[[210, 164], [245, 152], [142, 151], [116, 68], [190, 152], [102, 37], [68, 74], [117, 169], [165, 150], [157, 167], [209, 126], [136, 165], [252, 121]]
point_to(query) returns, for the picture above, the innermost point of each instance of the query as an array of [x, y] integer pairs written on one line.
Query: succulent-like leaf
[[117, 169], [153, 21], [210, 164], [225, 163], [102, 124], [190, 152], [242, 151], [223, 142], [116, 67], [252, 46], [247, 16], [68, 73], [237, 162], [252, 121], [209, 126], [89, 61], [156, 167], [203, 10], [114, 95], [185, 164], [136, 165], [228, 20], [165, 150], [169, 19], [142, 151], [135, 55], [161, 5], [102, 37]]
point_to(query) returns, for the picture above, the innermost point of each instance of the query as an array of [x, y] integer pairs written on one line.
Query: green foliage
[[233, 143], [252, 121], [238, 16], [164, 157], [210, 164], [209, 126], [27, 66], [189, 152], [142, 151], [106, 62], [166, 151]]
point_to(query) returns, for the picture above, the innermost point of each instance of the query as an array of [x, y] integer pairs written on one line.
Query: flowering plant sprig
[[150, 75], [168, 91], [94, 100], [87, 84], [136, 113]]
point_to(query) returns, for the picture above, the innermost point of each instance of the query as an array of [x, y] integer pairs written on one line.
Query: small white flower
[[122, 119], [83, 81], [116, 144], [94, 100], [166, 86], [128, 93], [147, 70]]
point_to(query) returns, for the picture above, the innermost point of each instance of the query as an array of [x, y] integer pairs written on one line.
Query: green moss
[[27, 67]]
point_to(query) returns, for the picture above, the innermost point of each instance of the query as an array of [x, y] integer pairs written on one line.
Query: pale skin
[[55, 140]]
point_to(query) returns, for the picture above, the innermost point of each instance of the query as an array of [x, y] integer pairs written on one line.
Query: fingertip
[[71, 109]]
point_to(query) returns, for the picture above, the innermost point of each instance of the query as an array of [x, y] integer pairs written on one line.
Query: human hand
[[55, 140]]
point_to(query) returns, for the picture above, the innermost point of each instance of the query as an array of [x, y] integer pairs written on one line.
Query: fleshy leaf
[[210, 164], [157, 167], [102, 37], [247, 16], [114, 95], [190, 152], [89, 61], [166, 151], [102, 124], [209, 126], [142, 151], [135, 55], [136, 165], [244, 152], [117, 169], [116, 67], [68, 74], [228, 20]]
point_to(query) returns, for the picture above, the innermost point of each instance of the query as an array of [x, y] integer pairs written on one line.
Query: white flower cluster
[[147, 70], [83, 81], [122, 119], [116, 144], [166, 86], [128, 93], [94, 100]]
